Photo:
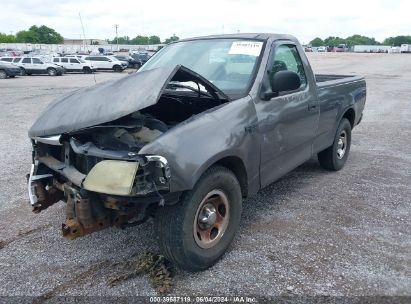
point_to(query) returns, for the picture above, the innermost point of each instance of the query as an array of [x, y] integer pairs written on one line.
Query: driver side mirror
[[283, 81], [110, 60]]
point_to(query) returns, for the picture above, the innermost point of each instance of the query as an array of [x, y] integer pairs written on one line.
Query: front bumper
[[113, 192], [107, 172]]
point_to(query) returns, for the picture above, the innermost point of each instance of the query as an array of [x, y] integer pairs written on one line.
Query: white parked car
[[105, 63], [321, 49], [73, 64], [34, 65]]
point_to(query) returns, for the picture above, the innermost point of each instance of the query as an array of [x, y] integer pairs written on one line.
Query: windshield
[[227, 63]]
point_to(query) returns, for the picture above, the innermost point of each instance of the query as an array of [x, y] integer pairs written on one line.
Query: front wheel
[[52, 71], [196, 232], [3, 74], [117, 69], [335, 156]]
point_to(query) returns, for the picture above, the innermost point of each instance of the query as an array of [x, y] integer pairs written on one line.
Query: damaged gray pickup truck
[[203, 124]]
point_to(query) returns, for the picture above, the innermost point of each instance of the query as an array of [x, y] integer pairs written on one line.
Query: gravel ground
[[311, 233]]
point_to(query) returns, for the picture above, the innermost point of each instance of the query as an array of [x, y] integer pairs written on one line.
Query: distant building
[[69, 41]]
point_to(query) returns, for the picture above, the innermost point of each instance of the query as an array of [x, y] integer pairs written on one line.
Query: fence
[[73, 48]]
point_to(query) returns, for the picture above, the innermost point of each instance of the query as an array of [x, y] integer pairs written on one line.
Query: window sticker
[[252, 48]]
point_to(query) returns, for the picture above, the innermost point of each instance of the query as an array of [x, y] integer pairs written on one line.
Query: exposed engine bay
[[98, 172], [133, 131]]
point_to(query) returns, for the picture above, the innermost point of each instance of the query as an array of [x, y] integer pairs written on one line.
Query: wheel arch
[[350, 115], [233, 163]]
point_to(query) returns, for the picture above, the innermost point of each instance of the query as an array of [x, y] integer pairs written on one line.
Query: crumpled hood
[[110, 100]]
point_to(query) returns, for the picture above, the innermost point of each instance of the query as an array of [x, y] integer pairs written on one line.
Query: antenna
[[84, 43]]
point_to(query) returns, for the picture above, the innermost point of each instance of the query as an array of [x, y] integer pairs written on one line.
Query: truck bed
[[331, 77]]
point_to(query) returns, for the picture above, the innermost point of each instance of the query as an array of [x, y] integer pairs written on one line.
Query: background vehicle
[[8, 70], [132, 63], [405, 48], [321, 49], [141, 57], [34, 65], [10, 52], [341, 48], [188, 136], [73, 64], [105, 63]]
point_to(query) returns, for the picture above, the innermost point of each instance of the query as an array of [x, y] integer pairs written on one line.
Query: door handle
[[312, 106]]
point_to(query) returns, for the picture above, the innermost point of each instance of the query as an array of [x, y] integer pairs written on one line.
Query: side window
[[16, 59], [55, 59], [104, 59], [287, 58], [37, 61], [74, 60], [26, 60], [87, 58], [64, 60], [7, 59]]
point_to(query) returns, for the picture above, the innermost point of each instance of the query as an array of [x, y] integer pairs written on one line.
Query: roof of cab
[[258, 36]]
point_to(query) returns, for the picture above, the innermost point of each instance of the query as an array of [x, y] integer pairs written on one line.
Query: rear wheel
[[335, 156], [3, 74], [196, 232], [52, 71], [117, 69], [87, 70]]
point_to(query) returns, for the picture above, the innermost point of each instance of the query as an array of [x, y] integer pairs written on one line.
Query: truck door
[[38, 66], [26, 64], [65, 63], [288, 122]]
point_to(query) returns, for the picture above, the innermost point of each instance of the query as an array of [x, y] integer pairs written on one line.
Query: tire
[[3, 74], [22, 72], [12, 76], [334, 157], [182, 235], [87, 70], [52, 72], [117, 69]]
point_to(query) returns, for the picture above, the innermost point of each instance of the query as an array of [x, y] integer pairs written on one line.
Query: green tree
[[171, 39], [140, 40], [317, 42], [334, 41], [361, 40], [154, 40], [398, 40], [121, 40], [4, 38], [47, 35], [42, 34], [27, 37]]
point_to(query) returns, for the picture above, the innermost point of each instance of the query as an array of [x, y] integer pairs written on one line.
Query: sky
[[304, 19]]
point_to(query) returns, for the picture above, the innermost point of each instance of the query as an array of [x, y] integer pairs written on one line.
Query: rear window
[[26, 60]]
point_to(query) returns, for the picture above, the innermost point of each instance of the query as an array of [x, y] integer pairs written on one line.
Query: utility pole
[[116, 26]]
